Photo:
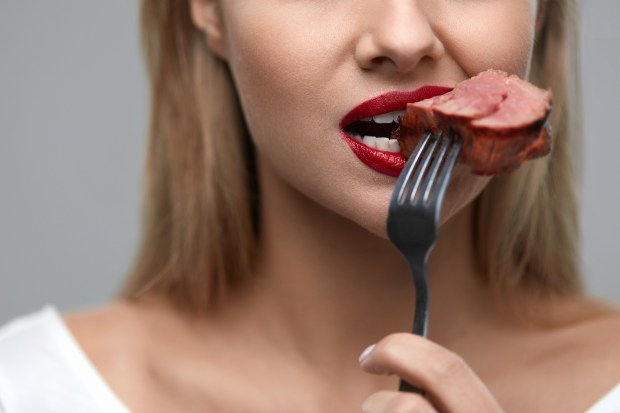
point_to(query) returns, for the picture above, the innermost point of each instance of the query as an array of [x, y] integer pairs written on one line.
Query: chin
[[371, 214], [463, 189], [378, 229]]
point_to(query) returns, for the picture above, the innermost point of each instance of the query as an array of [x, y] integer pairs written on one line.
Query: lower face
[[304, 69]]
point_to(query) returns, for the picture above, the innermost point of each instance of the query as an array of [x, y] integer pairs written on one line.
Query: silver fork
[[413, 218]]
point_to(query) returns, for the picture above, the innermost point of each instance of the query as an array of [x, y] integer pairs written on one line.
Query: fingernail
[[366, 353]]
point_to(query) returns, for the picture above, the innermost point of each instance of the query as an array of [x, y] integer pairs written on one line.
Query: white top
[[44, 370]]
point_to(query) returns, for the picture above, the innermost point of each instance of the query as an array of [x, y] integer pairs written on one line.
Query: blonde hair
[[527, 222], [198, 237], [200, 219]]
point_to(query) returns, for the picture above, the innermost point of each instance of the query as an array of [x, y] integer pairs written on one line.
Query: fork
[[413, 217]]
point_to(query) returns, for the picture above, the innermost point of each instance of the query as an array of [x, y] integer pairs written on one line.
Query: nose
[[397, 36]]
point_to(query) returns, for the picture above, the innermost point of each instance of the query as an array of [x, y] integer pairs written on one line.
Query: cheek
[[287, 82], [276, 69], [498, 34]]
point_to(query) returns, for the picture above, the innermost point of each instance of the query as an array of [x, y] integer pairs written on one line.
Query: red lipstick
[[388, 163]]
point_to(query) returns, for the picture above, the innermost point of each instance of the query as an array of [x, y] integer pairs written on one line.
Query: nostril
[[380, 61]]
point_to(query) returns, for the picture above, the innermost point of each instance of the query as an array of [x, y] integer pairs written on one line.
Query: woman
[[265, 270]]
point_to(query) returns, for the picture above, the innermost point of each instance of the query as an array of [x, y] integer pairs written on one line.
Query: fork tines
[[428, 168]]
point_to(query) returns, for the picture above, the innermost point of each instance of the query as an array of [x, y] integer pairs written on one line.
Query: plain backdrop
[[73, 110]]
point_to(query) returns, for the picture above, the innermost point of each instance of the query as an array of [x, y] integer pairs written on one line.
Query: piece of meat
[[501, 118]]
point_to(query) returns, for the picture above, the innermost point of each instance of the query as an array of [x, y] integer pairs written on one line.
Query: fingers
[[449, 383], [395, 402]]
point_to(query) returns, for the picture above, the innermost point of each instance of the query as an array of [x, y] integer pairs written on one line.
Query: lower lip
[[388, 163]]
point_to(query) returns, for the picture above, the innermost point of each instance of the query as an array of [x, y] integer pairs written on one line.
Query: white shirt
[[44, 370]]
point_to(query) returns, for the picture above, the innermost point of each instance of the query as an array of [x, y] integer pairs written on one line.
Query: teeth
[[366, 119], [393, 146], [382, 144], [398, 115], [391, 117], [379, 143], [356, 136], [370, 141]]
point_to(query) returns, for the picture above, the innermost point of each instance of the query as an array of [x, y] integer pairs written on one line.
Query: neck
[[326, 288]]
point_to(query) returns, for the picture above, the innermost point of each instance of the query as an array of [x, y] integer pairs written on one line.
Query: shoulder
[[566, 360], [597, 340], [22, 351], [583, 354], [24, 327], [39, 361], [128, 343], [114, 339], [595, 355], [122, 334], [594, 333], [28, 341], [108, 332], [31, 339]]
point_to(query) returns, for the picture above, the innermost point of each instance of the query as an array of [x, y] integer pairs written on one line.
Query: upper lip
[[390, 102]]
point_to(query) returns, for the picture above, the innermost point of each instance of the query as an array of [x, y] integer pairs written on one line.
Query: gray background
[[72, 126]]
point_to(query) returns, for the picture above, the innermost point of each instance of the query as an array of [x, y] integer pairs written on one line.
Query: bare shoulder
[[124, 334], [565, 362], [119, 325], [117, 338], [111, 324], [597, 330], [112, 337], [583, 355], [590, 337], [600, 336]]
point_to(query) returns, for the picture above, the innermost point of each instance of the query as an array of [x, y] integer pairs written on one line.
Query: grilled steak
[[501, 118]]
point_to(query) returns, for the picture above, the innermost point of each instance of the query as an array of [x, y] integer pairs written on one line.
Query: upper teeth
[[391, 117]]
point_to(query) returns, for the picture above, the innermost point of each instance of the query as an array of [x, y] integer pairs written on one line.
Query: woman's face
[[302, 66]]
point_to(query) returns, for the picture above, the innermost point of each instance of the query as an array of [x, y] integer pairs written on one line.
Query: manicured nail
[[366, 353]]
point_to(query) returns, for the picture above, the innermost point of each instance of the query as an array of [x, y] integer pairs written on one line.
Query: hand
[[449, 384]]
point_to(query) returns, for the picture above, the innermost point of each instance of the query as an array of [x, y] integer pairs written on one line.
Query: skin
[[290, 341]]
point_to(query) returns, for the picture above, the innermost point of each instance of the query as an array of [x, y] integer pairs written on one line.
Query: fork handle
[[420, 280], [420, 319]]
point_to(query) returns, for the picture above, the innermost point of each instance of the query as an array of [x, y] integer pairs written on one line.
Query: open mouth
[[377, 132], [370, 129]]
